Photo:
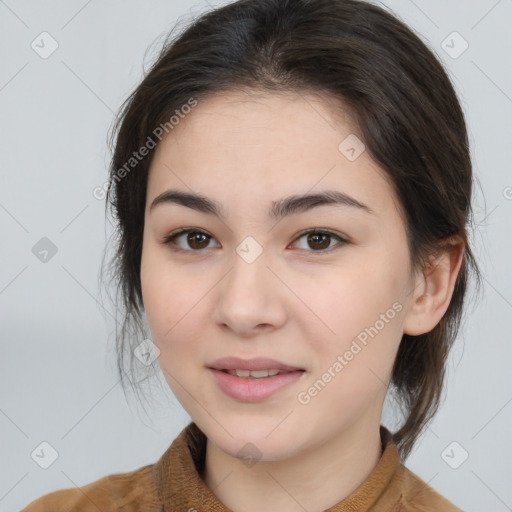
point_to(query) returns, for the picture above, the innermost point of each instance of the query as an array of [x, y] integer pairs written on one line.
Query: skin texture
[[302, 303]]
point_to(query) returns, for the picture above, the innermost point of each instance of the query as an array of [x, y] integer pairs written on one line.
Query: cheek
[[166, 289], [359, 308], [347, 299], [175, 308]]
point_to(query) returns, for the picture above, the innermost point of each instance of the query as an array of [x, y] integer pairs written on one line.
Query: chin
[[253, 442]]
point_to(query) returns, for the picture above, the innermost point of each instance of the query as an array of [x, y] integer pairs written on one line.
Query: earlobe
[[434, 289]]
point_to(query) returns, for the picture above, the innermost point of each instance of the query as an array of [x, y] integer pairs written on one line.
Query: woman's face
[[251, 284]]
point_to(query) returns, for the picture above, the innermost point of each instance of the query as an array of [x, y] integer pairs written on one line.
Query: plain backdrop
[[57, 378]]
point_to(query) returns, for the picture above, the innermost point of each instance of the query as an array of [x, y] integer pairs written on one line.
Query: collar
[[181, 487]]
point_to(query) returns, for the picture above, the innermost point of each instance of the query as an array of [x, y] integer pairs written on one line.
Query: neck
[[313, 480]]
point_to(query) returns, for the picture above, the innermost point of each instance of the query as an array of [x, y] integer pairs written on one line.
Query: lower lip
[[253, 390]]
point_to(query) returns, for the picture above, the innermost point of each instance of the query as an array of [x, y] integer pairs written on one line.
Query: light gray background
[[57, 379]]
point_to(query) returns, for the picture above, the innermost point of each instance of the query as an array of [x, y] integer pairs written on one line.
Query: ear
[[433, 289]]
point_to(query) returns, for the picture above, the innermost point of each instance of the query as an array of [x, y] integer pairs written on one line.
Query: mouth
[[254, 385], [257, 374], [255, 379]]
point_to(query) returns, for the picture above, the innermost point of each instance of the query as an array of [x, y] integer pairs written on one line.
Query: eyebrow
[[284, 207]]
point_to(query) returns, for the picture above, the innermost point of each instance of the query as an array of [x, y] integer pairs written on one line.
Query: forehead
[[243, 144], [286, 120]]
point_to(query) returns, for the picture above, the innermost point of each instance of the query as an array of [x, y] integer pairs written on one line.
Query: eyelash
[[169, 239]]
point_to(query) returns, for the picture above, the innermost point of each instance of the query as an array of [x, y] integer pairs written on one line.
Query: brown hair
[[407, 113]]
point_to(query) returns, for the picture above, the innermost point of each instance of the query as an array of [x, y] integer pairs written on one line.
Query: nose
[[251, 298]]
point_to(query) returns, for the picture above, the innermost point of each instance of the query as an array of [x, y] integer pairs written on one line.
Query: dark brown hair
[[405, 109]]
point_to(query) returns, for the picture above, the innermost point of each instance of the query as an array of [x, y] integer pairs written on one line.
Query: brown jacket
[[174, 484]]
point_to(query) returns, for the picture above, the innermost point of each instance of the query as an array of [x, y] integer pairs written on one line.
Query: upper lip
[[256, 363]]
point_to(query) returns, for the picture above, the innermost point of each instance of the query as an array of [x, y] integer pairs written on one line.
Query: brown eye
[[195, 240], [320, 241]]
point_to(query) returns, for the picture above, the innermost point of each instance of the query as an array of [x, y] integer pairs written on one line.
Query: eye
[[195, 238], [198, 240], [321, 240]]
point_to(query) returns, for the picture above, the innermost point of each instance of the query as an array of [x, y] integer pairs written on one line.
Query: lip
[[256, 363], [253, 390]]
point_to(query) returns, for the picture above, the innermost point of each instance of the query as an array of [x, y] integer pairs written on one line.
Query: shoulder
[[134, 491], [418, 496]]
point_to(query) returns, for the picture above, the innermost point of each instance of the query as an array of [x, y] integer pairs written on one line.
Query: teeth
[[256, 374]]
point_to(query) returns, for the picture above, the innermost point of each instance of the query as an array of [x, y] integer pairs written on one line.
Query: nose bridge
[[250, 294], [248, 278]]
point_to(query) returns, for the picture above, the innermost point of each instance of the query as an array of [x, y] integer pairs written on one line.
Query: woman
[[292, 184]]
